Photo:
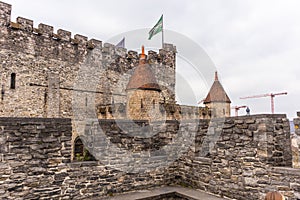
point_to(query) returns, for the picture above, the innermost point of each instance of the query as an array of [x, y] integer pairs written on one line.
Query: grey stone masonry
[[5, 12], [32, 52], [32, 151], [296, 143], [240, 162], [166, 193], [35, 164]]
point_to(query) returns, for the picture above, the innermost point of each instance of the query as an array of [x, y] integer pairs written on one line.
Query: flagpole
[[162, 32]]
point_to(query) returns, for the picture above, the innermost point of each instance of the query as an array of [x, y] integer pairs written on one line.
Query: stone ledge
[[186, 193], [257, 116], [33, 119], [202, 159], [121, 121], [286, 171], [83, 164]]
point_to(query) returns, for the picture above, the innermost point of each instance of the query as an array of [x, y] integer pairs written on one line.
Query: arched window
[[80, 152], [78, 148], [13, 81]]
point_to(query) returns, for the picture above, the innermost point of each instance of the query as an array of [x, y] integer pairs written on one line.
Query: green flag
[[157, 28]]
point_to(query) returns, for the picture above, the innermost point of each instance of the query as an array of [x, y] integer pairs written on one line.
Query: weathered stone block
[[5, 14], [80, 38], [64, 35], [94, 43], [45, 30], [25, 24], [248, 181]]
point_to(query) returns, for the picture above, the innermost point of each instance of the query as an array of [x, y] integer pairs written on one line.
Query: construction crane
[[272, 95], [237, 108]]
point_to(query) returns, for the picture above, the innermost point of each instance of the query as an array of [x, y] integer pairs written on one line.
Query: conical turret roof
[[143, 76], [216, 92]]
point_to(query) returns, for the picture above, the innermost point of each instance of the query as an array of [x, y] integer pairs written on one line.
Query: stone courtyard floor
[[164, 193]]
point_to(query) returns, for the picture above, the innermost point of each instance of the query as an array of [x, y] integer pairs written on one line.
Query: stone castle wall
[[241, 157], [166, 111], [296, 143], [35, 163], [238, 157], [143, 105], [32, 153], [219, 109], [47, 67], [251, 156]]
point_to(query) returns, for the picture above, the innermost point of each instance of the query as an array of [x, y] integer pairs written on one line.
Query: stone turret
[[217, 99], [5, 14], [143, 92], [143, 77]]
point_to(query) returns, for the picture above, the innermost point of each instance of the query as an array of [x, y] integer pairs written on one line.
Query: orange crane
[[237, 108], [272, 95]]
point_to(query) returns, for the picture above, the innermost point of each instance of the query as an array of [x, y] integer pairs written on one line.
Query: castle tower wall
[[5, 14], [295, 140], [219, 109], [53, 97], [143, 92], [143, 105], [32, 52], [217, 100], [164, 64]]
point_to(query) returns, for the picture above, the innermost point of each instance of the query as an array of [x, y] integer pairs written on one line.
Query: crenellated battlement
[[22, 36], [5, 14], [42, 29], [39, 54], [65, 37], [47, 31]]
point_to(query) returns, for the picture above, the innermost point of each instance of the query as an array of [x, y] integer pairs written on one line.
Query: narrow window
[[78, 151], [153, 104], [81, 153], [223, 111], [142, 105], [2, 93], [13, 81]]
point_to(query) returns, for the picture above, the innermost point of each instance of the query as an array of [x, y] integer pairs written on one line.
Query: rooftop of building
[[217, 92], [143, 76]]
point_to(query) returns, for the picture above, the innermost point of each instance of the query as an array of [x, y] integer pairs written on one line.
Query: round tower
[[143, 92], [217, 100]]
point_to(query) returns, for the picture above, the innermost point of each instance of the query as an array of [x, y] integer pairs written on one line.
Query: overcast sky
[[254, 44]]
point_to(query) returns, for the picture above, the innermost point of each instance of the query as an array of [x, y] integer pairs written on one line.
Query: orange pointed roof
[[143, 76], [216, 92]]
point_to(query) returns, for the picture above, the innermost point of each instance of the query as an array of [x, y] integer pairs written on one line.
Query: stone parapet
[[246, 157]]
